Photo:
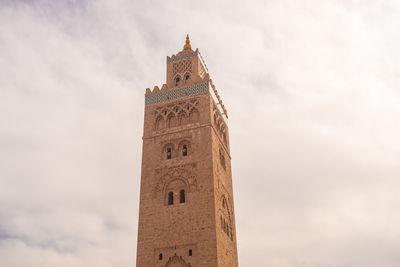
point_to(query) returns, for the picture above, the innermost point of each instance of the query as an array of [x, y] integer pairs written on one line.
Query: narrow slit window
[[160, 256], [182, 197], [169, 153], [190, 252], [170, 198]]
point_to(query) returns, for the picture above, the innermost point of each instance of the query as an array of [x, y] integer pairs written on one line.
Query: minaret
[[186, 215]]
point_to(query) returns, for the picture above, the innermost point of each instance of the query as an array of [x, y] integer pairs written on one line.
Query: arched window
[[175, 192], [187, 76], [171, 198], [169, 153], [177, 80], [223, 203], [182, 197], [184, 150]]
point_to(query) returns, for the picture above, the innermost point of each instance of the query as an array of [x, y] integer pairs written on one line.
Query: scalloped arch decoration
[[181, 173], [220, 126], [176, 114]]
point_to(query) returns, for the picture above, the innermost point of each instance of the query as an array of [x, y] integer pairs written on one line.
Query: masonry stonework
[[186, 214]]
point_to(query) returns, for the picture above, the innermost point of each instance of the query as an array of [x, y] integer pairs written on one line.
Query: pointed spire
[[187, 46]]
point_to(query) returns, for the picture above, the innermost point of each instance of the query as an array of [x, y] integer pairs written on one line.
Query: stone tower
[[186, 215]]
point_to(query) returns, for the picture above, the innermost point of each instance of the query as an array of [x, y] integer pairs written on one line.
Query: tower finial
[[187, 46]]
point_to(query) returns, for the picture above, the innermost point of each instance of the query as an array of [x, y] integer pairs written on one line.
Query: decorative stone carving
[[168, 175], [177, 114], [191, 90], [176, 261], [182, 67], [226, 212], [177, 58], [220, 126]]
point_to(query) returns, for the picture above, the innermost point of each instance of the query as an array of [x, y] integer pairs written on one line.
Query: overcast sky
[[312, 90]]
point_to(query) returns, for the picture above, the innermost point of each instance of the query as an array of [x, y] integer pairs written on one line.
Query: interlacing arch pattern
[[177, 114], [219, 124], [225, 217], [176, 261], [182, 67], [174, 180]]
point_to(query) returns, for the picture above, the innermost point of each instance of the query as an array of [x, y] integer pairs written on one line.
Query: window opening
[[182, 196], [169, 154], [160, 256], [170, 198], [187, 77], [184, 150], [190, 252], [177, 80]]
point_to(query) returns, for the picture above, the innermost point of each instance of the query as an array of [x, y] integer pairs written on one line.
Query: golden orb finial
[[187, 46]]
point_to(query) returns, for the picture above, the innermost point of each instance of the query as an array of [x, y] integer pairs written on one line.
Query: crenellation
[[156, 89], [164, 88]]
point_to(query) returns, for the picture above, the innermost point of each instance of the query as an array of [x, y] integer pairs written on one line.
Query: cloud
[[312, 95]]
